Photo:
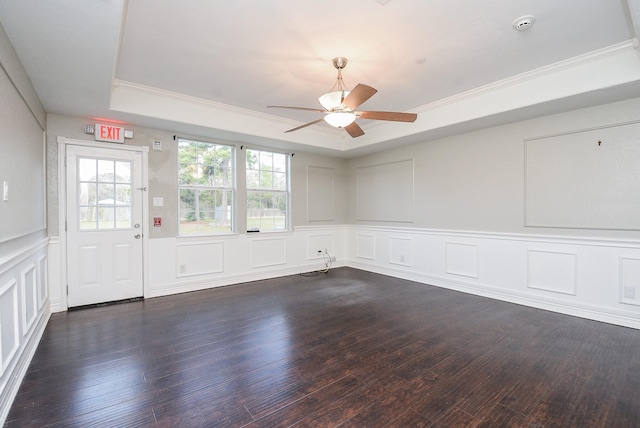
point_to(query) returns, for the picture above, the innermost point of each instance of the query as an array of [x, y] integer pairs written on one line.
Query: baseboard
[[224, 280], [621, 318], [19, 370]]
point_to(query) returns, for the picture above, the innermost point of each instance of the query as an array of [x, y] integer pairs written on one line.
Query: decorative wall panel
[[43, 283], [401, 251], [630, 280], [29, 287], [552, 271], [385, 192], [366, 247], [268, 252], [317, 243], [9, 324], [584, 179], [199, 258], [320, 194], [461, 259]]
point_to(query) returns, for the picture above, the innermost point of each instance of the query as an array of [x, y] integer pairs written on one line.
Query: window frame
[[215, 188], [286, 192]]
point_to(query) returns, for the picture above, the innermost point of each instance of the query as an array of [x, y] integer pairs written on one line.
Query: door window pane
[[105, 171], [104, 194], [123, 172], [87, 169]]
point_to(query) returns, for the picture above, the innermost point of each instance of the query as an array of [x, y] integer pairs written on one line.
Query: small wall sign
[[109, 133]]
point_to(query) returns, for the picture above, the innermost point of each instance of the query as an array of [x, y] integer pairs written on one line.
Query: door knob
[[137, 236]]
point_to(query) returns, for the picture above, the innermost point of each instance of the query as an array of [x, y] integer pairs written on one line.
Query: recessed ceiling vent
[[523, 23]]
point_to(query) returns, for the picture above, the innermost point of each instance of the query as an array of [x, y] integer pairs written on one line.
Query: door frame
[[63, 142]]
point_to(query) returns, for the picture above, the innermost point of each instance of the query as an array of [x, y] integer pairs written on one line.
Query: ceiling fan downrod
[[339, 63]]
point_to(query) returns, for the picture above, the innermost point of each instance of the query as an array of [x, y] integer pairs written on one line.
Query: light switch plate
[[158, 202]]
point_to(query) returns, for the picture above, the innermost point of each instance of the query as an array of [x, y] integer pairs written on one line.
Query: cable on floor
[[326, 258]]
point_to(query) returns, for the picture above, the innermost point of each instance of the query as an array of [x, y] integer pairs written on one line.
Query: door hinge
[[67, 289], [65, 225]]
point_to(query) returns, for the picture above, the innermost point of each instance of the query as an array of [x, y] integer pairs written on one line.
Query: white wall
[[461, 225], [576, 276], [24, 292], [451, 213], [467, 230], [179, 264], [188, 264], [476, 181]]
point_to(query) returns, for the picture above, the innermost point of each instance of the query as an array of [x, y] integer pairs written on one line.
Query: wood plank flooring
[[347, 348]]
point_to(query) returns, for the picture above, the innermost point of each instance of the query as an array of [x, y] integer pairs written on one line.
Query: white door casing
[[104, 222]]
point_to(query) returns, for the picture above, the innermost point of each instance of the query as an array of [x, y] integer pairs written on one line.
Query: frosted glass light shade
[[340, 119], [332, 100]]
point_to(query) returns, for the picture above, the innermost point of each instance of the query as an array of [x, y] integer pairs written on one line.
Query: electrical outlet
[[333, 258], [629, 292], [182, 269]]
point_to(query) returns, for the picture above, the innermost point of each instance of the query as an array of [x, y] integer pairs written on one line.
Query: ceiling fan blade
[[387, 115], [354, 130], [358, 95], [300, 108], [305, 125]]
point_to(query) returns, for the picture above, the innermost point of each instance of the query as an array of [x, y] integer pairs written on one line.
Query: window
[[105, 194], [206, 187], [267, 191]]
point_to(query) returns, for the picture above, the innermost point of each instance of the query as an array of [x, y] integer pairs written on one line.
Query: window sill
[[208, 236]]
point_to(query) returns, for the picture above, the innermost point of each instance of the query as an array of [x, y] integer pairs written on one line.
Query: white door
[[104, 225]]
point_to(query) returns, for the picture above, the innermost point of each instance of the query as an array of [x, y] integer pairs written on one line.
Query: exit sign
[[109, 133]]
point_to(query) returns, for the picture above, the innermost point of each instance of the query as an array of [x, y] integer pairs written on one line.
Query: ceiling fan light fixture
[[333, 100], [340, 119], [340, 106]]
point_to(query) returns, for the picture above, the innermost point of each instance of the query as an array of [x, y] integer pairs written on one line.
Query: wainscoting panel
[[401, 251], [199, 258], [320, 243], [552, 271], [29, 297], [56, 287], [583, 277], [366, 247], [9, 324], [24, 313], [630, 281], [268, 252], [240, 258], [43, 281], [461, 259], [576, 276]]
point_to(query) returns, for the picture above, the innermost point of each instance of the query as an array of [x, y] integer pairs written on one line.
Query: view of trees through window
[[104, 189], [205, 184], [267, 190]]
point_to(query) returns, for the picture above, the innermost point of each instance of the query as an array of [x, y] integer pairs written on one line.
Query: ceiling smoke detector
[[523, 23]]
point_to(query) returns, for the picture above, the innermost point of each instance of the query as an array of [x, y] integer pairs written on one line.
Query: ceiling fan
[[339, 106]]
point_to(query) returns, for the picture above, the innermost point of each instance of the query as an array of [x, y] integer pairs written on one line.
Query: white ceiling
[[210, 67]]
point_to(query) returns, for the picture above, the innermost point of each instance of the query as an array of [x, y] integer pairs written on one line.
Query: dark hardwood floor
[[347, 348]]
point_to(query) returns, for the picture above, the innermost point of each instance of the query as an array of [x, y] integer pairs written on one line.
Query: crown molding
[[605, 68], [568, 65]]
